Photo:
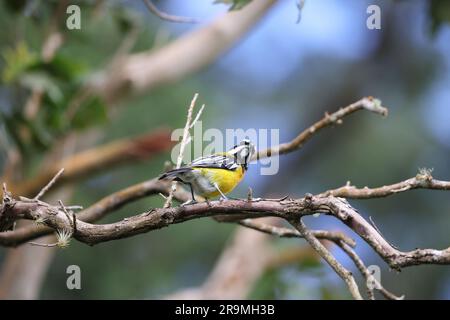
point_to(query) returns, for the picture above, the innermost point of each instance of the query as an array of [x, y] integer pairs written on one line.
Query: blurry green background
[[282, 76]]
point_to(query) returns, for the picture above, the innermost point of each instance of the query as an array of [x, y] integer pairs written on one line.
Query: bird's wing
[[215, 161]]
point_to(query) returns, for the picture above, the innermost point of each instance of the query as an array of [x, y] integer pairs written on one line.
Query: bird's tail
[[173, 173]]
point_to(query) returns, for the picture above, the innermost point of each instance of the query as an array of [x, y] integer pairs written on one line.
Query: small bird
[[216, 174]]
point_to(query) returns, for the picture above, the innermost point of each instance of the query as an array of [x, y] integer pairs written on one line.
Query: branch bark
[[368, 103], [423, 180], [289, 209]]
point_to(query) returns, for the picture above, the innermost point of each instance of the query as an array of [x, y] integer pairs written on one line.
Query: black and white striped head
[[243, 152]]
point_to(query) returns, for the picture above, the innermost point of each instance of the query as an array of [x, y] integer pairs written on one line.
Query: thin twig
[[328, 257], [165, 16], [49, 185], [197, 117], [185, 140], [371, 282], [420, 181], [367, 103], [292, 233], [47, 245]]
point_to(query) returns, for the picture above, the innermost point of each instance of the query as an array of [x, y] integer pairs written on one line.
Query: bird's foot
[[189, 202]]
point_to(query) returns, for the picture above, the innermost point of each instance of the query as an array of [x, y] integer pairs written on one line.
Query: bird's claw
[[189, 202]]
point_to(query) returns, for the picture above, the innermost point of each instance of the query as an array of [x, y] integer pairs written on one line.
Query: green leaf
[[234, 4], [91, 112]]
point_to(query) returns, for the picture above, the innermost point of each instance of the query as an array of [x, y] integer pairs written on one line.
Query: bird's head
[[243, 152]]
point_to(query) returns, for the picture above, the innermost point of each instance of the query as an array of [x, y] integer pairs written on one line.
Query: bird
[[216, 174]]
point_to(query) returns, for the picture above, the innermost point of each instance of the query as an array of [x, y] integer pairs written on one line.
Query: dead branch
[[184, 142], [367, 103], [371, 282], [292, 233], [288, 209], [96, 211], [328, 257], [423, 180]]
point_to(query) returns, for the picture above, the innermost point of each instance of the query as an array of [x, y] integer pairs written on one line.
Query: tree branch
[[292, 233], [340, 239], [423, 180], [367, 103], [328, 257], [184, 142], [371, 282], [96, 211], [287, 209]]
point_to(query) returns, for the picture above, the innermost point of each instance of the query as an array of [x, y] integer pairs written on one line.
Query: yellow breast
[[227, 180]]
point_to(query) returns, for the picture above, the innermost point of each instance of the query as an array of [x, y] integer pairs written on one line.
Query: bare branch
[[371, 282], [420, 181], [368, 103], [184, 142], [286, 209], [328, 257], [96, 211], [165, 16], [49, 185], [340, 239], [292, 233]]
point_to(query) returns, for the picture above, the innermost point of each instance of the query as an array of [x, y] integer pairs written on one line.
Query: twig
[[197, 117], [368, 103], [328, 257], [165, 16], [185, 141], [63, 236], [158, 218], [47, 245], [49, 185], [292, 233], [371, 282], [420, 181]]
